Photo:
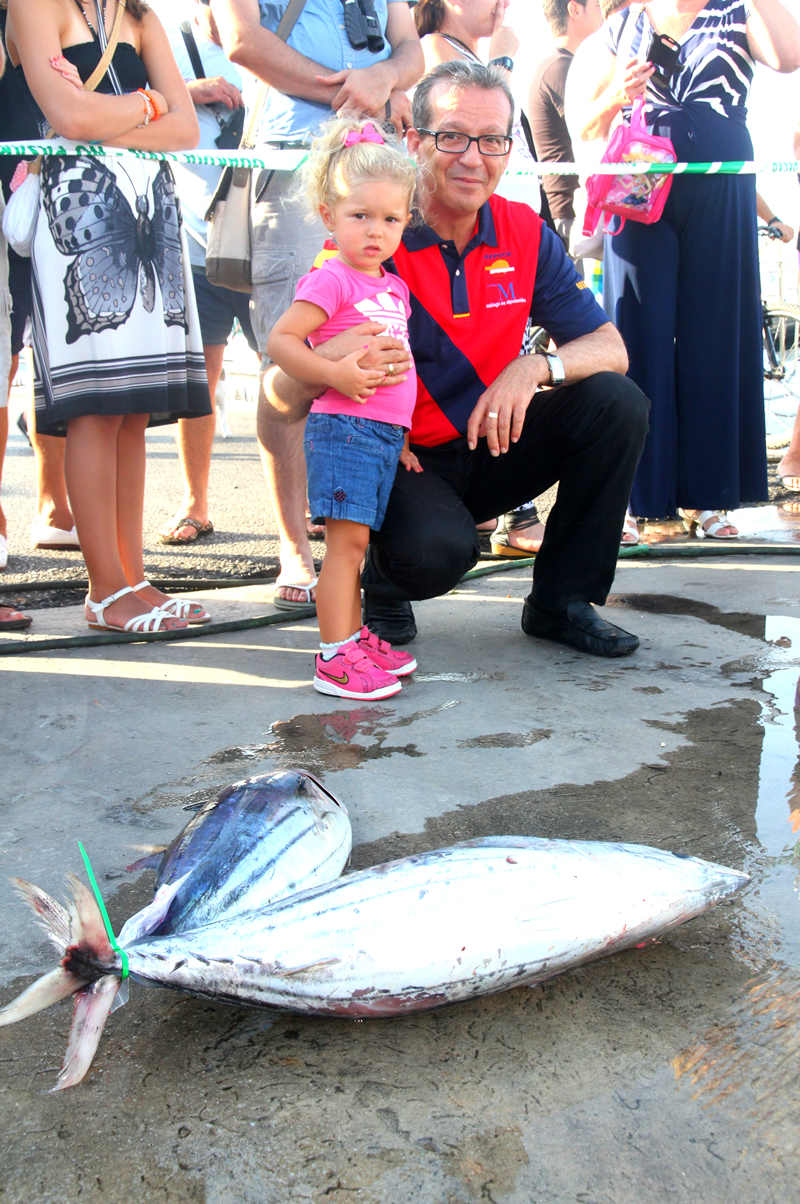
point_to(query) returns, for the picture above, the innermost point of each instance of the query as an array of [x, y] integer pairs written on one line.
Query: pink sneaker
[[352, 674], [381, 653]]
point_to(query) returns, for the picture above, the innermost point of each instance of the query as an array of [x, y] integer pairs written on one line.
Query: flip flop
[[200, 528], [285, 603], [13, 620], [790, 483]]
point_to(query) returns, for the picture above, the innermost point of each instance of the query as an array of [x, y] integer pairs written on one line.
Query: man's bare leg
[[283, 461], [195, 441]]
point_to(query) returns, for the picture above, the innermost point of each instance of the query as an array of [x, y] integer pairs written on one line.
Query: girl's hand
[[505, 42], [634, 81], [66, 69], [355, 382], [408, 459]]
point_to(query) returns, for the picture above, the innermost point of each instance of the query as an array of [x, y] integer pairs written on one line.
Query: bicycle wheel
[[781, 343]]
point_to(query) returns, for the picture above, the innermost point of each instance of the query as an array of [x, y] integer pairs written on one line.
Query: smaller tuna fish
[[259, 841]]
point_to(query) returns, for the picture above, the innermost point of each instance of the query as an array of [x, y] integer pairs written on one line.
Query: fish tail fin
[[92, 1006], [86, 928], [48, 989], [52, 917], [80, 936]]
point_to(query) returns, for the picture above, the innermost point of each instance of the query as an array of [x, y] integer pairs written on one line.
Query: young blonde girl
[[362, 184]]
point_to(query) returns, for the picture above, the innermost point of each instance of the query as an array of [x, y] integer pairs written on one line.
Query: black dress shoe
[[392, 621], [580, 626]]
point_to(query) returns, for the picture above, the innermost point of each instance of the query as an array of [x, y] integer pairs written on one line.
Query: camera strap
[[191, 49], [285, 27]]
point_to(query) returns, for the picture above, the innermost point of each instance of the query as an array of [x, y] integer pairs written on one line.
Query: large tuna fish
[[258, 841], [404, 937]]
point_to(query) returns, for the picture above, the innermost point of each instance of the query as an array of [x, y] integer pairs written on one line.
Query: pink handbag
[[638, 197]]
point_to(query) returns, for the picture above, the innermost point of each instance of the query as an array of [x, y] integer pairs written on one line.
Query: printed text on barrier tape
[[289, 159]]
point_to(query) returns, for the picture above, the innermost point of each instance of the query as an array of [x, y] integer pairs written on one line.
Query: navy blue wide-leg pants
[[685, 295]]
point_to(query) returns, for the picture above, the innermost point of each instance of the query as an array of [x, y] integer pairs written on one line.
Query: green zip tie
[[109, 930]]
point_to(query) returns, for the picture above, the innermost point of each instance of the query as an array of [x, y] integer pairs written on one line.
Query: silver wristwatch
[[557, 374]]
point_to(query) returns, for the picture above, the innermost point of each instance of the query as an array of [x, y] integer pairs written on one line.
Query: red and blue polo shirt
[[469, 311]]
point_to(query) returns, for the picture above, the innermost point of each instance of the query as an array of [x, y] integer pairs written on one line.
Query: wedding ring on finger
[[491, 414]]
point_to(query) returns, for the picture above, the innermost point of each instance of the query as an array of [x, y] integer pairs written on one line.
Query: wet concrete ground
[[663, 1073], [668, 1072]]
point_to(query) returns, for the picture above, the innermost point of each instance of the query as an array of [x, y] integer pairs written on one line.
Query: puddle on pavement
[[777, 871], [508, 739], [326, 743], [468, 677], [778, 804], [741, 622]]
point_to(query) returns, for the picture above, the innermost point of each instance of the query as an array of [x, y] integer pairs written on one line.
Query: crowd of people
[[396, 289]]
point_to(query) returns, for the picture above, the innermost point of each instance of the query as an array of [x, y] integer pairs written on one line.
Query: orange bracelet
[[156, 111], [148, 106]]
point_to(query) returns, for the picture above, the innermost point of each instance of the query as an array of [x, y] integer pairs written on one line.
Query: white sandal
[[179, 608], [630, 528], [696, 525], [139, 623]]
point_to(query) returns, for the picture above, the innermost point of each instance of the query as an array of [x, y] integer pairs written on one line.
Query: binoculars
[[362, 26]]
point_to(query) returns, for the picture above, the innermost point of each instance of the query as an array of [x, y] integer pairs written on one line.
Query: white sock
[[328, 651]]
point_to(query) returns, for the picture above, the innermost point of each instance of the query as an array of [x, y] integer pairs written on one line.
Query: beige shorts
[[284, 247]]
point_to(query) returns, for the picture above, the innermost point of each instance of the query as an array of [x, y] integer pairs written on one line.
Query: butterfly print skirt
[[115, 327]]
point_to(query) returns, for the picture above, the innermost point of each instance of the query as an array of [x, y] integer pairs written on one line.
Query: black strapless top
[[85, 56]]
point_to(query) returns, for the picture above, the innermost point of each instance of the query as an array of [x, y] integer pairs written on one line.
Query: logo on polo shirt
[[498, 263], [505, 296]]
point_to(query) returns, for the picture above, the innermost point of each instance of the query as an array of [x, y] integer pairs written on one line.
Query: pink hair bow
[[368, 134]]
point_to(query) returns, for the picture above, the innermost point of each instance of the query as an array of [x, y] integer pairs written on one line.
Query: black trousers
[[586, 436]]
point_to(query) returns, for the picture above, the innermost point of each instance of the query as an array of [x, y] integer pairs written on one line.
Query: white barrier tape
[[289, 158], [271, 158]]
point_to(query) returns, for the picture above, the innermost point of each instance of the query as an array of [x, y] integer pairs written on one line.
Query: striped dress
[[684, 292]]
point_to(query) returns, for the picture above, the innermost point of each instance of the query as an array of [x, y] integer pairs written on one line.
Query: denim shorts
[[351, 465]]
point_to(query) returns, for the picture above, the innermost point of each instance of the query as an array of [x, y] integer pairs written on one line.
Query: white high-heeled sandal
[[139, 623], [179, 608], [695, 525]]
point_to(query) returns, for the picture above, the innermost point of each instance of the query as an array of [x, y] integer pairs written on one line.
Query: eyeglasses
[[450, 142]]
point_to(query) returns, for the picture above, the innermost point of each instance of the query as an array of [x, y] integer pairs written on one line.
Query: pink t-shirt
[[349, 298]]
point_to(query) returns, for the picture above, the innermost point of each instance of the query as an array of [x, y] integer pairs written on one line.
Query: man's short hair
[[459, 74], [557, 16]]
